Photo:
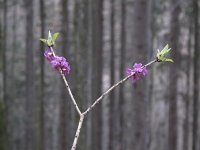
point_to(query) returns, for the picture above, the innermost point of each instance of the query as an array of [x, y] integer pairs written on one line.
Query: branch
[[68, 88], [76, 106], [71, 95], [113, 87], [51, 41], [77, 132]]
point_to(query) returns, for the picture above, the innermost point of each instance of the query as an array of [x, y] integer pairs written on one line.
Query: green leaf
[[55, 36], [51, 40], [165, 48], [49, 43], [49, 36], [44, 41], [169, 60], [161, 55]]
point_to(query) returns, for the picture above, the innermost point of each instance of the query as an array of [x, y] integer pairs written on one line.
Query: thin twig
[[71, 95], [113, 87], [77, 132], [68, 88]]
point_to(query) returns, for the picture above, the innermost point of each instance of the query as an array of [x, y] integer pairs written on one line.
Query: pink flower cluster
[[59, 63], [138, 70]]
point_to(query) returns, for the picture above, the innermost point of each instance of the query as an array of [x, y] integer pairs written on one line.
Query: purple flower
[[138, 70], [58, 63], [48, 54], [61, 64]]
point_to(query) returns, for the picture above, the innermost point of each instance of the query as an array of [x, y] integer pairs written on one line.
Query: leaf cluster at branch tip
[[161, 55], [51, 39]]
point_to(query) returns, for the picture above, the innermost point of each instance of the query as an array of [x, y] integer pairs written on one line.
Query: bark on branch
[[112, 88], [83, 114]]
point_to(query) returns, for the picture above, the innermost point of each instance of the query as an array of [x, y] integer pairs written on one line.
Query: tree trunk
[[3, 142], [122, 68], [4, 61], [195, 75], [4, 52], [187, 97], [140, 56], [112, 123], [30, 104], [149, 84], [174, 37], [90, 48], [42, 84], [65, 115], [97, 32]]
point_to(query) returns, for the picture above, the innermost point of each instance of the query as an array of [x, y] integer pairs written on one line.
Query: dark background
[[100, 39]]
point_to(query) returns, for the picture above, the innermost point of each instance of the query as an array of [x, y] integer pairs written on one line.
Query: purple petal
[[137, 65], [48, 54]]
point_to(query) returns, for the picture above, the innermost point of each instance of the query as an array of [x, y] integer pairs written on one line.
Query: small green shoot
[[51, 39], [161, 55]]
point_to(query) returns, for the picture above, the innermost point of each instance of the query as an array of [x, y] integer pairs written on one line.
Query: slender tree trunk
[[112, 122], [14, 44], [97, 33], [3, 144], [90, 46], [64, 111], [65, 115], [174, 37], [187, 97], [42, 83], [4, 59], [4, 52], [30, 117], [149, 84], [122, 68], [196, 75], [140, 55]]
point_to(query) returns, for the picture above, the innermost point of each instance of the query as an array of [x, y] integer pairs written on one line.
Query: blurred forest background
[[100, 39]]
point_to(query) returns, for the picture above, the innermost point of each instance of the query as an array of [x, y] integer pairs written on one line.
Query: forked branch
[[161, 56], [82, 115], [96, 102]]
